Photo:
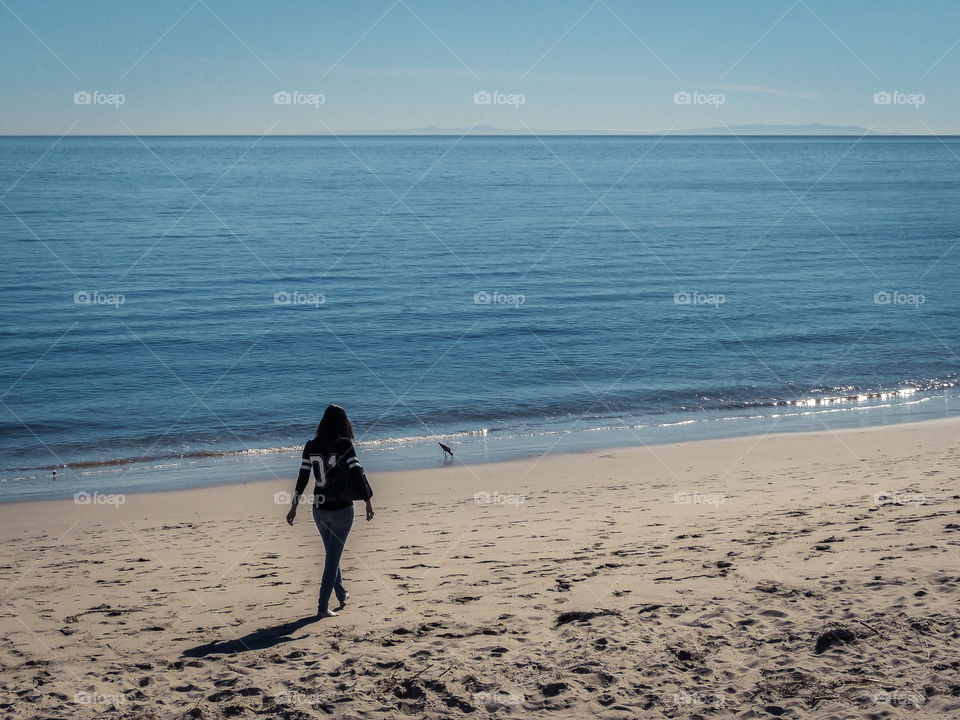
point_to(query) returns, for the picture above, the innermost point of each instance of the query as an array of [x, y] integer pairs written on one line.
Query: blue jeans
[[334, 526]]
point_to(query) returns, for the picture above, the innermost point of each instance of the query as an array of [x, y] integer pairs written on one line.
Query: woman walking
[[339, 481]]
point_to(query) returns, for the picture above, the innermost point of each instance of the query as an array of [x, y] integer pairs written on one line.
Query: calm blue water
[[236, 287]]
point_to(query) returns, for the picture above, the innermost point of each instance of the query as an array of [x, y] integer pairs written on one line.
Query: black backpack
[[334, 481]]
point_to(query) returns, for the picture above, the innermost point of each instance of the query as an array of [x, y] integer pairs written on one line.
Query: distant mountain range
[[813, 129]]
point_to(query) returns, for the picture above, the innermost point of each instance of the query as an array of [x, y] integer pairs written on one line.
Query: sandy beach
[[804, 575]]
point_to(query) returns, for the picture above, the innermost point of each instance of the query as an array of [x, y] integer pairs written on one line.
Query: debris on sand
[[836, 636], [582, 615]]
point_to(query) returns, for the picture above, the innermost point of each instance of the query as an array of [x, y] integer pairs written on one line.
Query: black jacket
[[340, 451]]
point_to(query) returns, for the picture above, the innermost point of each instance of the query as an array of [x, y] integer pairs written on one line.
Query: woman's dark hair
[[334, 424]]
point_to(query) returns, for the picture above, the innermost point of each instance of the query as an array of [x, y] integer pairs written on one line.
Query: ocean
[[178, 311]]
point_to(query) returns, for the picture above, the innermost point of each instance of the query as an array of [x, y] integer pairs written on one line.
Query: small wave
[[828, 402], [248, 452], [602, 428], [403, 440], [679, 422], [828, 398], [859, 397]]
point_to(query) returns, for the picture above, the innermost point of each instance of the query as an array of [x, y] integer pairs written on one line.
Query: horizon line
[[456, 133]]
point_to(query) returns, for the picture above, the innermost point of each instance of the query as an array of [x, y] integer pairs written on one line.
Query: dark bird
[[446, 450]]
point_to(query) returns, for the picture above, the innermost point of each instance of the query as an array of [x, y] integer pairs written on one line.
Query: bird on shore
[[446, 450]]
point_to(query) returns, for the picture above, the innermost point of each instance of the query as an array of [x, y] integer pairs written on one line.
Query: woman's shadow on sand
[[256, 640]]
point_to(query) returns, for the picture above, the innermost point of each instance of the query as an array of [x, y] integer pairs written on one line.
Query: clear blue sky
[[213, 66]]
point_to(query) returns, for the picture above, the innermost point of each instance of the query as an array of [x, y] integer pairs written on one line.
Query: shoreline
[[704, 444], [483, 444]]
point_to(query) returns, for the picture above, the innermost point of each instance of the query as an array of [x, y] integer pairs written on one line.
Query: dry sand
[[688, 581]]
